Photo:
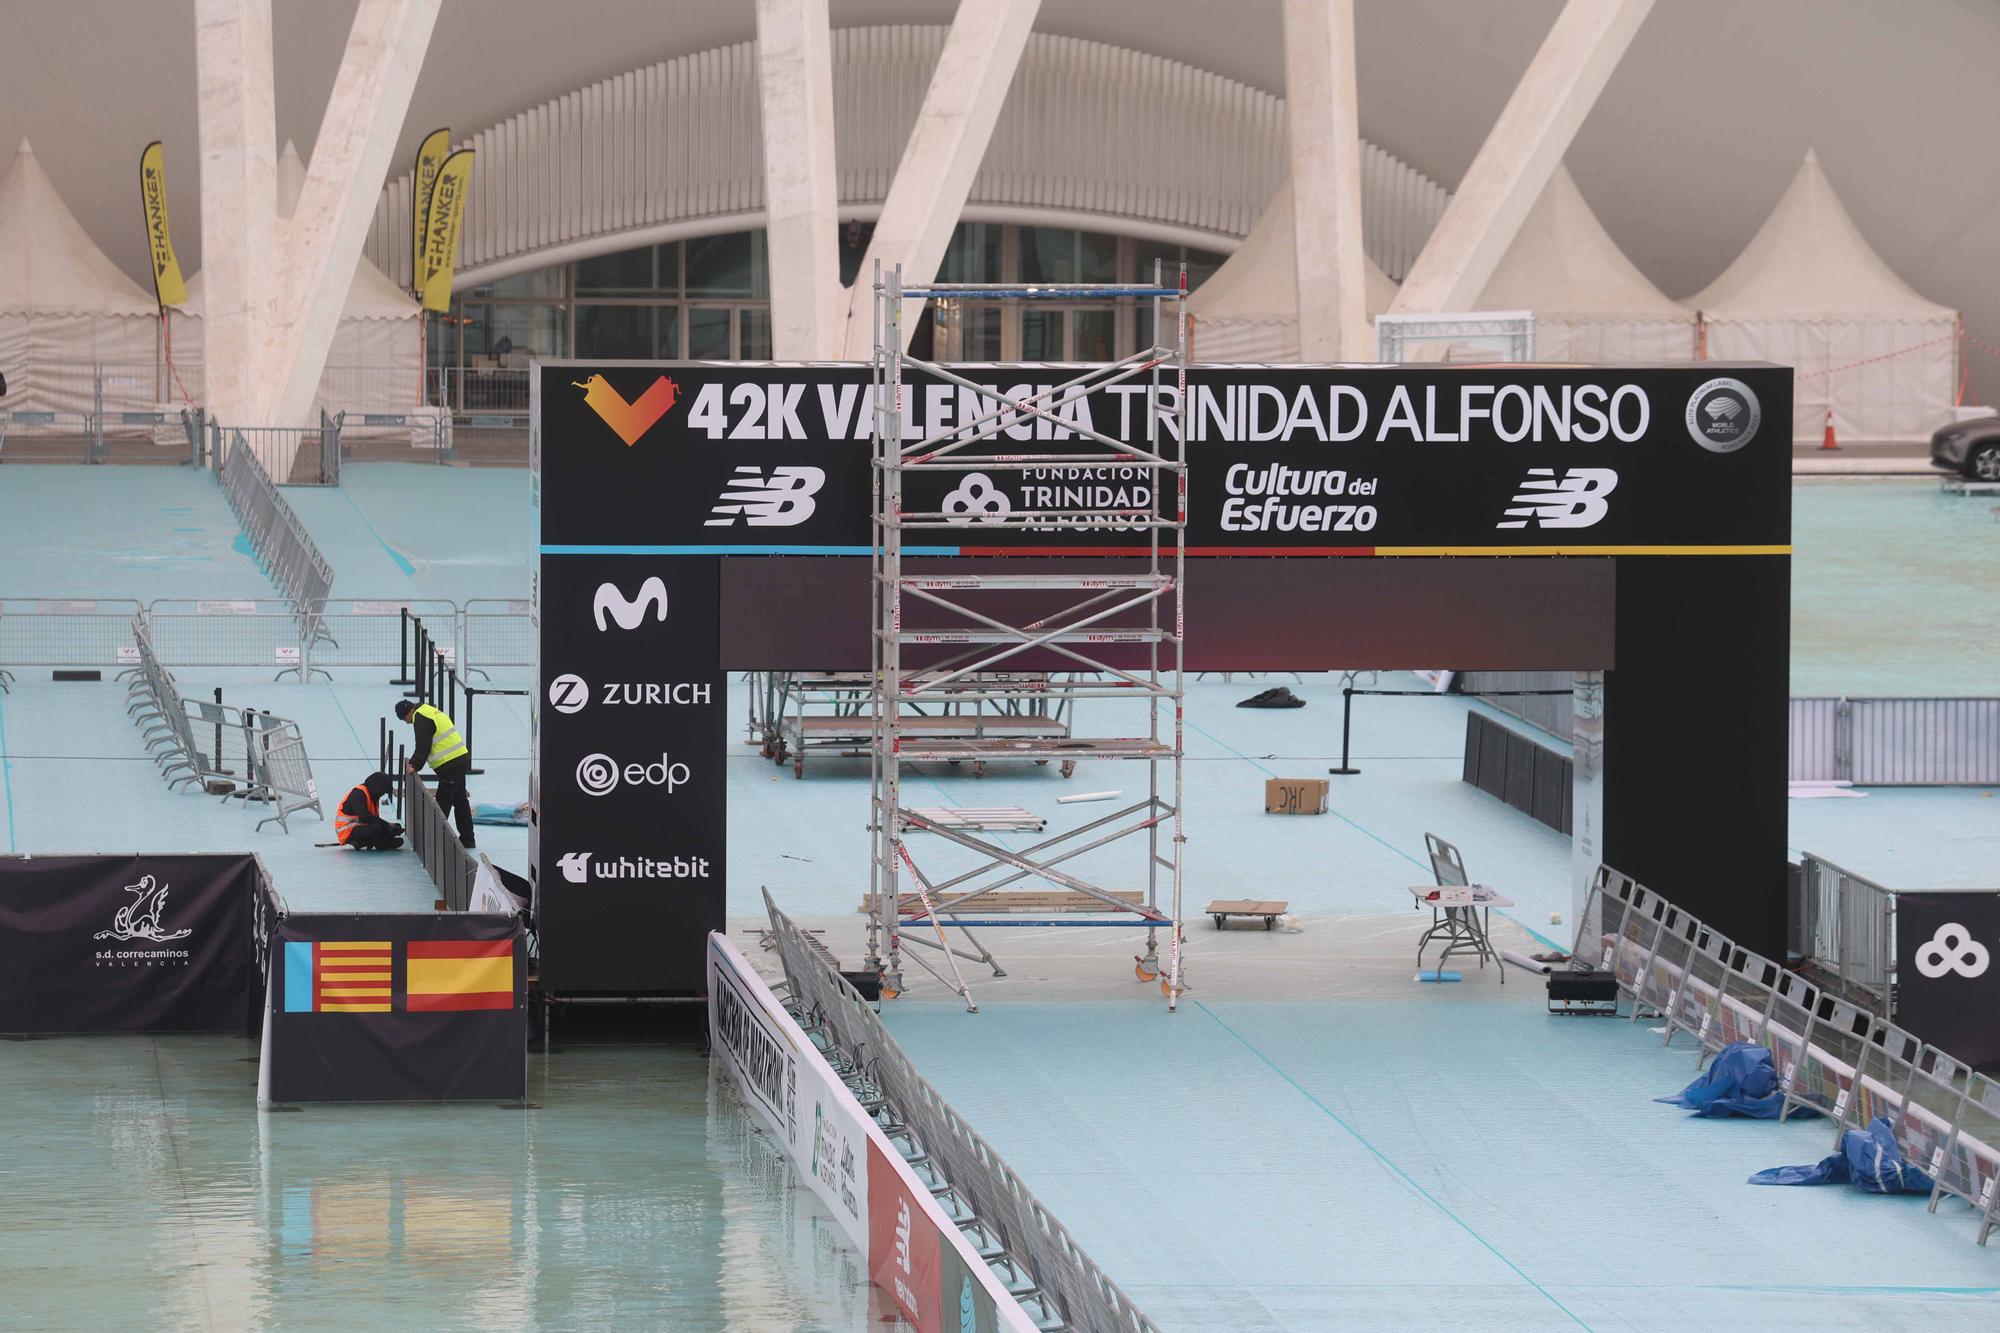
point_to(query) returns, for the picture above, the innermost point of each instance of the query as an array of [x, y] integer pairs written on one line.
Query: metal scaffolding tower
[[968, 635]]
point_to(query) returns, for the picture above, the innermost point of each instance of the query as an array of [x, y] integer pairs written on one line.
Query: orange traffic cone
[[1829, 442]]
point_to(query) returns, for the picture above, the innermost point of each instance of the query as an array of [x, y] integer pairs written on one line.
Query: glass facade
[[710, 300]]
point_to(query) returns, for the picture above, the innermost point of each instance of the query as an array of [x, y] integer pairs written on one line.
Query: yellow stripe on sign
[[354, 1007], [355, 946], [350, 992], [1583, 550], [350, 974], [460, 976]]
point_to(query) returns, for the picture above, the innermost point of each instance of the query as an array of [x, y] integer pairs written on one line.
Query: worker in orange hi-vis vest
[[359, 823]]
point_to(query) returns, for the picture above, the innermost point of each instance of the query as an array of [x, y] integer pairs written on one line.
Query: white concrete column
[[1324, 140], [943, 154], [795, 83], [350, 160], [1520, 154], [238, 205]]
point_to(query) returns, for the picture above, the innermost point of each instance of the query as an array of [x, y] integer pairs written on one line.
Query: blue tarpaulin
[[1740, 1080], [1867, 1157]]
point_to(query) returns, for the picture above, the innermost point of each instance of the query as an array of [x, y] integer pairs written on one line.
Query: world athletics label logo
[[1722, 415]]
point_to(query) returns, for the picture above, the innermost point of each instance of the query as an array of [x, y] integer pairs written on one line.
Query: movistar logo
[[612, 603]]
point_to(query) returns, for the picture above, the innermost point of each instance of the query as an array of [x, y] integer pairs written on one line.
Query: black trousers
[[377, 835], [451, 795]]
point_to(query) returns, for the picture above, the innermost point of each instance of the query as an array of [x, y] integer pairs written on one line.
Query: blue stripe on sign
[[774, 549], [298, 976]]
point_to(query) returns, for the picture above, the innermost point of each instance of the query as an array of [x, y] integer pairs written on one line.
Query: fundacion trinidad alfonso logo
[[1953, 949], [976, 500], [140, 919], [630, 420]]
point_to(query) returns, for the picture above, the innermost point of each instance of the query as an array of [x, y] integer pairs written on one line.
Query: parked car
[[1969, 448]]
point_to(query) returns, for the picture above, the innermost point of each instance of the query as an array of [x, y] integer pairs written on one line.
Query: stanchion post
[[1346, 769], [402, 647]]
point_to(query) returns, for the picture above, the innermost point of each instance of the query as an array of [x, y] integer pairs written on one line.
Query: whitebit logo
[[575, 866], [1573, 500], [977, 500], [140, 918], [612, 603], [568, 694], [1953, 949], [782, 500]]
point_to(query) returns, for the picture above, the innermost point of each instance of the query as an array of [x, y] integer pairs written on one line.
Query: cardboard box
[[1295, 796]]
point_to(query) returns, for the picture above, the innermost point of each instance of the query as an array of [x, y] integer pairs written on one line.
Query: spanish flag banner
[[441, 222], [395, 1007], [431, 154], [168, 286], [447, 975]]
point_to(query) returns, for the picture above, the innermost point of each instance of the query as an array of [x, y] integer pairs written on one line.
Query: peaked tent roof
[[1262, 277], [371, 295], [48, 263], [1562, 259], [1809, 259]]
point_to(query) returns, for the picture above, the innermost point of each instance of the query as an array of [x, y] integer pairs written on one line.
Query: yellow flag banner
[[431, 154], [168, 286], [441, 221]]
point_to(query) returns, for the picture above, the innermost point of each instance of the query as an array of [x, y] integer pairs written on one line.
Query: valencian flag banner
[[394, 1008]]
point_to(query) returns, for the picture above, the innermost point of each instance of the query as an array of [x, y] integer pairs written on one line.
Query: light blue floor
[[1404, 1164], [144, 1190], [1361, 1164]]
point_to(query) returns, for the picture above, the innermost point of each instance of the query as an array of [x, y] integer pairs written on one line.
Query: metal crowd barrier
[[496, 632], [236, 753], [226, 631], [1847, 929], [1896, 742], [296, 455], [287, 551], [67, 632], [1040, 1259], [452, 868], [1831, 1055]]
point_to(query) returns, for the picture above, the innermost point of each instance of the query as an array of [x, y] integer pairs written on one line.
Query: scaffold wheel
[[1144, 968], [799, 764], [979, 768], [1068, 767], [1167, 986], [888, 992]]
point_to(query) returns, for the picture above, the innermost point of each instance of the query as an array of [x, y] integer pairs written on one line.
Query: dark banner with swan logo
[[127, 944]]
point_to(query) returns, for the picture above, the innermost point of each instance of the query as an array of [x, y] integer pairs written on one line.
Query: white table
[[1462, 920]]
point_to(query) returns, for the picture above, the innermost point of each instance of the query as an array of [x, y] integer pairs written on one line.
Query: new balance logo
[[782, 500], [1573, 500], [612, 603]]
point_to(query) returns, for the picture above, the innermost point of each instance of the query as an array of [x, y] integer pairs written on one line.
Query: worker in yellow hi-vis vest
[[440, 744]]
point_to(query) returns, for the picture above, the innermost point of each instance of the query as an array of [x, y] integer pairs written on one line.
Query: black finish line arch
[[693, 519]]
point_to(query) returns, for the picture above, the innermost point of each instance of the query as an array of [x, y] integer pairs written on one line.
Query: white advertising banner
[[806, 1108], [918, 1255]]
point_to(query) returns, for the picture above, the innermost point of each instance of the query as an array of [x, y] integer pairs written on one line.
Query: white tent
[[1590, 303], [1809, 292], [1249, 309], [375, 364], [65, 309]]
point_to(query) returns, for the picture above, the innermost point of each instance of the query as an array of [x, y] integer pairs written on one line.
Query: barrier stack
[[1831, 1055]]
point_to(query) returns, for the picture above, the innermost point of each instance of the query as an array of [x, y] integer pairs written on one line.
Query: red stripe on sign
[[493, 999], [462, 948], [1165, 550]]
